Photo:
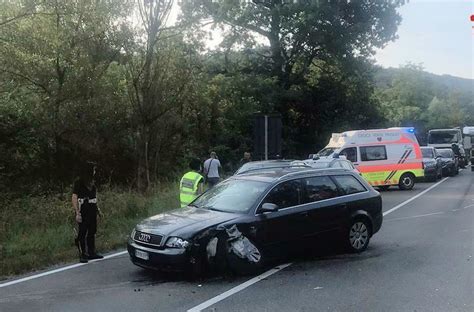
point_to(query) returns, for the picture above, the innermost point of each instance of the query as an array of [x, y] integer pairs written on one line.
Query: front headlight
[[132, 235], [176, 242]]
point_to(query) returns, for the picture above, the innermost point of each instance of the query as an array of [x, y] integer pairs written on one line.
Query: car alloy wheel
[[359, 236]]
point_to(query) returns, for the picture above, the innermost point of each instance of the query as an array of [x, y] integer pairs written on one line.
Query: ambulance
[[385, 157]]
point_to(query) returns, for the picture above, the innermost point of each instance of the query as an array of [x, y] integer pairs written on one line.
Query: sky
[[436, 33]]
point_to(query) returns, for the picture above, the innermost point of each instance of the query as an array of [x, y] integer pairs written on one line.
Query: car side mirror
[[268, 207]]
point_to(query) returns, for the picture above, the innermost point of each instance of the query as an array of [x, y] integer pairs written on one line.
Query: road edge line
[[414, 197], [238, 288], [73, 266]]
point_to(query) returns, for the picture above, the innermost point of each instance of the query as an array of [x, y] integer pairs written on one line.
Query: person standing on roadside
[[191, 183], [84, 202], [247, 158], [211, 170]]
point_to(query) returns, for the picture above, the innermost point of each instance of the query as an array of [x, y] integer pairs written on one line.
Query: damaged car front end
[[200, 236]]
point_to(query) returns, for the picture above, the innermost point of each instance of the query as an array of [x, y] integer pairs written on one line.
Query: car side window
[[349, 184], [368, 153], [286, 194], [350, 153], [319, 188]]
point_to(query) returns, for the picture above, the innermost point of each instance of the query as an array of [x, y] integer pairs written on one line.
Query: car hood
[[184, 222]]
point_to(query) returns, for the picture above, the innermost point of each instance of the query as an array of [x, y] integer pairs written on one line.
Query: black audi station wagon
[[250, 218]]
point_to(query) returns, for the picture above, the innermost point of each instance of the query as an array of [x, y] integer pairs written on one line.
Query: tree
[[408, 97], [60, 54], [159, 74], [302, 31]]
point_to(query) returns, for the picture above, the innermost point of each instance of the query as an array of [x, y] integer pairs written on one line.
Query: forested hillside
[[409, 96]]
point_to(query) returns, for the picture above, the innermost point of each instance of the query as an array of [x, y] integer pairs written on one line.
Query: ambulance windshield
[[327, 151]]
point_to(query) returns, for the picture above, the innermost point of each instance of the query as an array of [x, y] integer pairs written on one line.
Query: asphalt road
[[421, 260]]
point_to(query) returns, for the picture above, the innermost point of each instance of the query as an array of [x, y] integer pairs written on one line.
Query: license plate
[[141, 254]]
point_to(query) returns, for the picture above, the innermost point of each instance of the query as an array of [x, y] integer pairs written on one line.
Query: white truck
[[450, 138]]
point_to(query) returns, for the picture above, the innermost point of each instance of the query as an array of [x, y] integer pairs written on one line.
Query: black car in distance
[[450, 162], [432, 163], [250, 218]]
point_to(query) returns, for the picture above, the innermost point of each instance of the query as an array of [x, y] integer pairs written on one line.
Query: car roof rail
[[275, 167], [314, 170]]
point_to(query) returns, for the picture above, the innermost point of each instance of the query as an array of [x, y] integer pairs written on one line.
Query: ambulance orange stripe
[[392, 167]]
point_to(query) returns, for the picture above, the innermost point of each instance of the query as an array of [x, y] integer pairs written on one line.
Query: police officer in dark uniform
[[84, 201]]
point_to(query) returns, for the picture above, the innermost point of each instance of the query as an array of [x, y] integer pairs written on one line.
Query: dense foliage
[[118, 83]]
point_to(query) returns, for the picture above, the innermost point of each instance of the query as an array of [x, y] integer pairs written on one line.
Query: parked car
[[432, 163], [449, 160], [250, 218], [324, 163], [268, 164]]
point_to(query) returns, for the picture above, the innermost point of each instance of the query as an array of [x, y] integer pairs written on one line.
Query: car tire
[[384, 188], [407, 181], [358, 235]]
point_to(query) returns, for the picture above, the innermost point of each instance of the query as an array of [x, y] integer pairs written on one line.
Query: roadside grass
[[37, 232]]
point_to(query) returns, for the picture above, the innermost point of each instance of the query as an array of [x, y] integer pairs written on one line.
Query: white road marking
[[238, 288], [468, 206], [413, 198], [28, 278], [417, 216]]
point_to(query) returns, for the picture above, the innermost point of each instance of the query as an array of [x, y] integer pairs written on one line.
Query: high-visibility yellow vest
[[188, 187]]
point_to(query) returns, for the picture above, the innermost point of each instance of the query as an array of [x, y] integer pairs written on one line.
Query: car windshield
[[233, 195], [442, 137], [427, 152], [326, 151], [446, 153]]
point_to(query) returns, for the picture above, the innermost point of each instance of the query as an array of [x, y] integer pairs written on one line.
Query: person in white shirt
[[211, 170]]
